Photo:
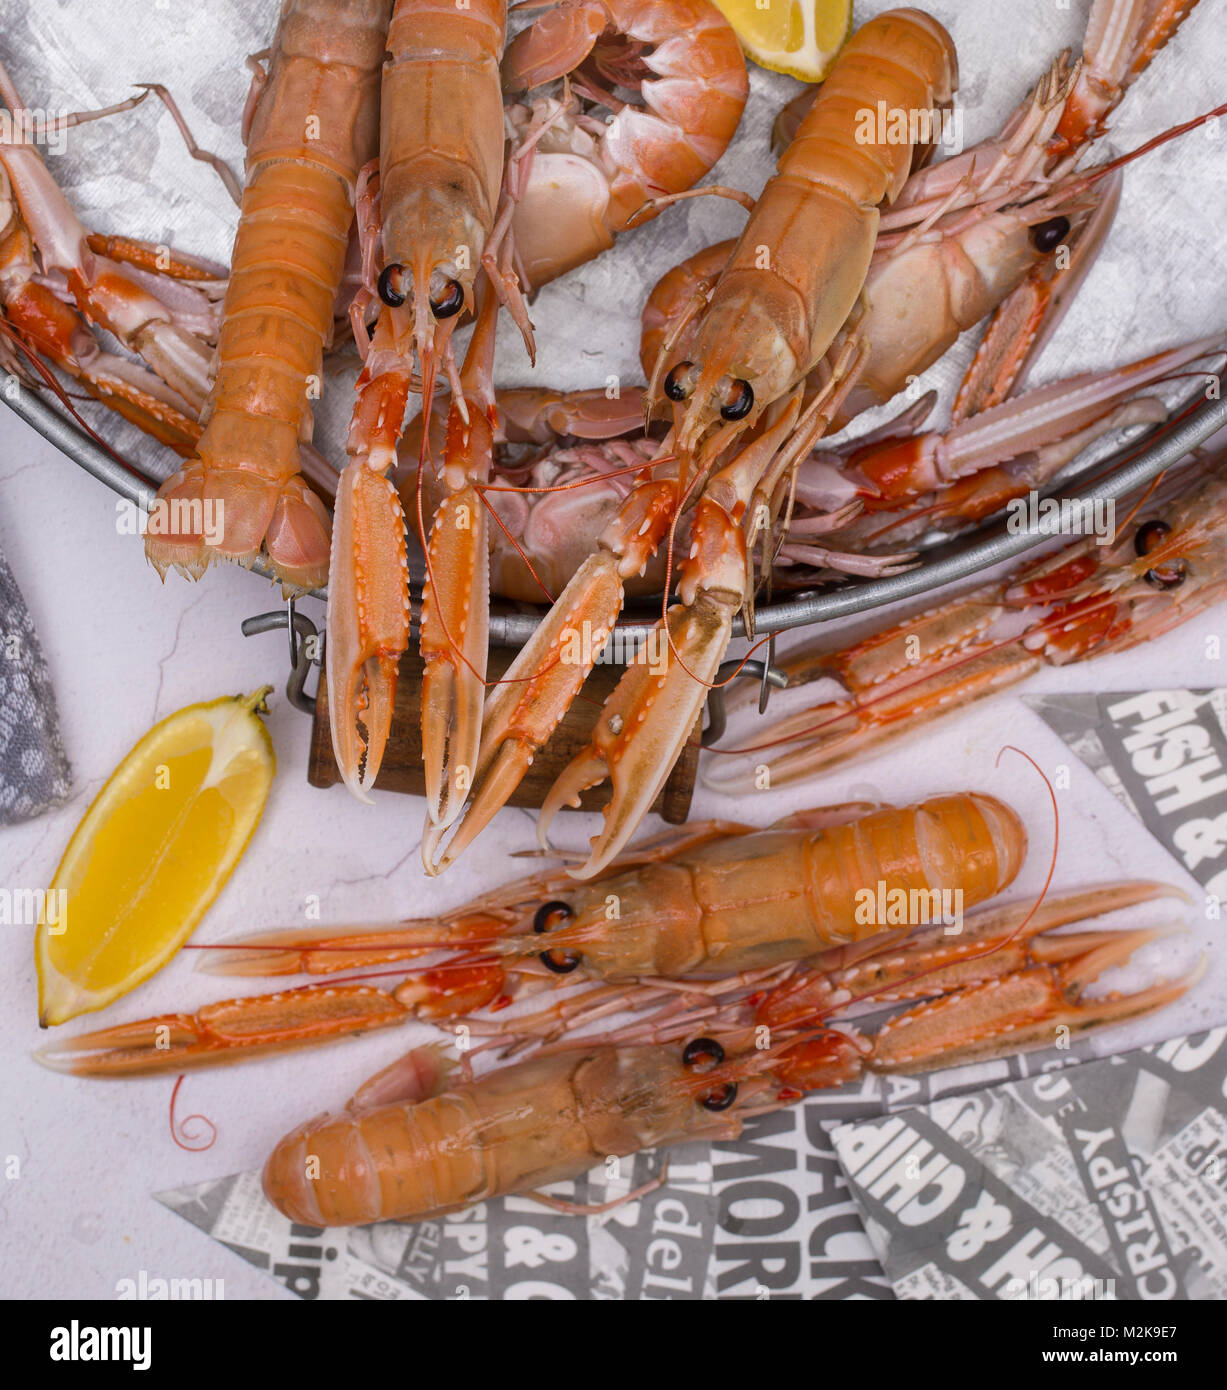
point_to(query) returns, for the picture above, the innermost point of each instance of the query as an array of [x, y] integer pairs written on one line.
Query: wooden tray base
[[402, 769]]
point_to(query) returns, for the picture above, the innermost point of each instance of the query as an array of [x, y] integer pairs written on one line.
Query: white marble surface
[[125, 651]]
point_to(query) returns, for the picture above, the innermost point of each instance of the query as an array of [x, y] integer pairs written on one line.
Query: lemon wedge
[[151, 854], [799, 37]]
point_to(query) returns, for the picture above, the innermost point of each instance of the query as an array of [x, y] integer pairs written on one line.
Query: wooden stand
[[402, 769]]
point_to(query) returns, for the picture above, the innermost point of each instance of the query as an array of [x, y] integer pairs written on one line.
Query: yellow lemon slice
[[799, 37], [153, 851]]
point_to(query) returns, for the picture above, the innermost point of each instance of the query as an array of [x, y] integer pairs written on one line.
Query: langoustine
[[1166, 563], [712, 901], [671, 76], [60, 283], [427, 215], [649, 716], [243, 492]]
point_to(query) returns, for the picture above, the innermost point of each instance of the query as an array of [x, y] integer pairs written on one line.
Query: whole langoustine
[[1166, 564], [765, 328], [426, 228], [442, 211], [710, 902], [439, 1150], [312, 128]]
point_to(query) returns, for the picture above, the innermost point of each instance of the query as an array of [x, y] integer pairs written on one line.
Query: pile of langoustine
[[737, 946], [860, 264]]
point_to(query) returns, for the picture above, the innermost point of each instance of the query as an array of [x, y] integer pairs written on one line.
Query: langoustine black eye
[[449, 302], [702, 1054], [551, 915], [719, 1099], [1171, 575], [389, 286], [740, 401], [676, 388], [1047, 236]]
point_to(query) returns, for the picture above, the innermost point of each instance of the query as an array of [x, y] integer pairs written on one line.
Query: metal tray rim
[[967, 559]]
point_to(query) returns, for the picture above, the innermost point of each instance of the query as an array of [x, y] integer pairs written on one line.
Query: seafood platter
[[743, 487]]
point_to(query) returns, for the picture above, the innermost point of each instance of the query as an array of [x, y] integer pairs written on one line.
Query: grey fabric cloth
[[34, 771]]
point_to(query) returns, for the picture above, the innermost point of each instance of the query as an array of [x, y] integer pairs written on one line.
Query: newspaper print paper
[[1107, 1180], [1163, 754]]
